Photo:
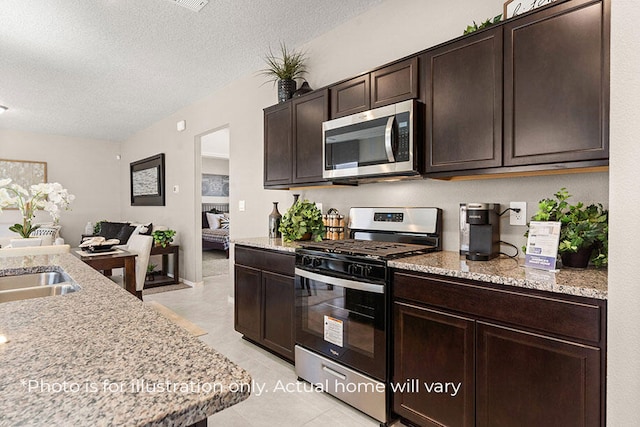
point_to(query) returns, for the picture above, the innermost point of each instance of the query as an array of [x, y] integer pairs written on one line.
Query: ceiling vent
[[195, 5]]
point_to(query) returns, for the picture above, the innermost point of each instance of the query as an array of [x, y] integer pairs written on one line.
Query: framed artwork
[[518, 7], [147, 181], [215, 185], [25, 173]]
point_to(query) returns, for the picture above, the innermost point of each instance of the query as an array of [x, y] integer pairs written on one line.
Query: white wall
[[623, 355], [86, 167]]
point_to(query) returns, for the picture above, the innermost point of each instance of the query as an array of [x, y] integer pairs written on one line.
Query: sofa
[[124, 230]]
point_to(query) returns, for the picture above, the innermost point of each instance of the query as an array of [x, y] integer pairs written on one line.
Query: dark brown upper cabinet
[[308, 114], [394, 83], [464, 104], [556, 85], [387, 85], [293, 140], [278, 153], [350, 97]]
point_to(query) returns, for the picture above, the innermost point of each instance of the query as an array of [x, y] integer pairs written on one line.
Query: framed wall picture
[[147, 181], [25, 173], [215, 185], [518, 7]]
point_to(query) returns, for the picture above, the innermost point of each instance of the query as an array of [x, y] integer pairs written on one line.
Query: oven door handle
[[337, 281]]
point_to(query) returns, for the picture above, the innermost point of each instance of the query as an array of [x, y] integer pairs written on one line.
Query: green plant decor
[[302, 218], [150, 268], [97, 227], [484, 24], [289, 65], [163, 237], [582, 226]]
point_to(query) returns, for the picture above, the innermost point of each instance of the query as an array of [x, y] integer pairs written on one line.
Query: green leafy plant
[[582, 227], [484, 24], [303, 219], [150, 268], [289, 65], [97, 226], [163, 237]]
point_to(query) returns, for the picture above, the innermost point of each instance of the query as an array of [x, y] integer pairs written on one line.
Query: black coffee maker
[[484, 231]]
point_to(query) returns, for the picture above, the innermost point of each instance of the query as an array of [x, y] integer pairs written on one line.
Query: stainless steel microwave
[[377, 143]]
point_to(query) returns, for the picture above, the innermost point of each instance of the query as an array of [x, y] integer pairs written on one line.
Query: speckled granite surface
[[590, 283], [100, 357], [267, 243]]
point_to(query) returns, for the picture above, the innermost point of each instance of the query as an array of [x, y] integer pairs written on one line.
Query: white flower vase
[[24, 242]]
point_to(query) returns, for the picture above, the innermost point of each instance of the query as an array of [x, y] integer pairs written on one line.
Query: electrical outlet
[[241, 205], [518, 218]]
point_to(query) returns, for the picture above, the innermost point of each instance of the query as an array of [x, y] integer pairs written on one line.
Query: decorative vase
[[24, 242], [295, 199], [304, 88], [286, 89], [578, 259], [274, 222]]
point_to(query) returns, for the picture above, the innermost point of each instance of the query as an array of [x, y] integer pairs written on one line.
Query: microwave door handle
[[388, 143]]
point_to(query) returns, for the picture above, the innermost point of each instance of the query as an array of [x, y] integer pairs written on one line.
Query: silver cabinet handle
[[388, 146]]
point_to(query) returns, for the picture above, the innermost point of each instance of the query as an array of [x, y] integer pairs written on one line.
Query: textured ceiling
[[108, 68]]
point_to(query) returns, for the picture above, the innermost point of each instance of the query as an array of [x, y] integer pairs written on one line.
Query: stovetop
[[368, 248]]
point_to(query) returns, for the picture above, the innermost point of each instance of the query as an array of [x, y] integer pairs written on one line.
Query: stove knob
[[316, 262], [357, 270], [306, 260]]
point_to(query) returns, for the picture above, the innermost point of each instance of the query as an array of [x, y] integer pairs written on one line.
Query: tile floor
[[208, 306]]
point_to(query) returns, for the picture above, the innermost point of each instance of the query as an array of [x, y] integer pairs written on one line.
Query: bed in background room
[[215, 227]]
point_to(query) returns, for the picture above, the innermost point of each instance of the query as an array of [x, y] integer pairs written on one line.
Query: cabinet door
[[433, 354], [308, 114], [248, 301], [464, 104], [394, 83], [556, 85], [526, 379], [350, 97], [277, 145], [278, 313]]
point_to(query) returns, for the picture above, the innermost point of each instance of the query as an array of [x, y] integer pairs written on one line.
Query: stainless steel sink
[[26, 286]]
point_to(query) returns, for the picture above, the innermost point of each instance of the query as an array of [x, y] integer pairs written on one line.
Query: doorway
[[214, 202]]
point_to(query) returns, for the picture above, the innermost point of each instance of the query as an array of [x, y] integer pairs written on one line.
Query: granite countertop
[[268, 243], [99, 356], [591, 282]]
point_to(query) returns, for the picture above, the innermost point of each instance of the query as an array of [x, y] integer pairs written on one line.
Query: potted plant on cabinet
[[583, 233], [284, 70], [303, 221], [163, 237]]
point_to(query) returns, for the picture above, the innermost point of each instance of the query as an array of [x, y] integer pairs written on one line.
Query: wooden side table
[[163, 278]]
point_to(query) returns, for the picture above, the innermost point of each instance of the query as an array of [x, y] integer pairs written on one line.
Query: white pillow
[[213, 220]]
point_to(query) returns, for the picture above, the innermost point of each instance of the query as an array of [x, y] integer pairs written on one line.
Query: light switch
[[176, 188], [241, 205]]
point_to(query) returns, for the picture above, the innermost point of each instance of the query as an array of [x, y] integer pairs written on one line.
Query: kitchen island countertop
[[590, 283], [99, 356]]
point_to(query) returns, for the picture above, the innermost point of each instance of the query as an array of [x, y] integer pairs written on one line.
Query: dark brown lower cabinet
[[434, 353], [495, 356], [264, 299], [532, 380]]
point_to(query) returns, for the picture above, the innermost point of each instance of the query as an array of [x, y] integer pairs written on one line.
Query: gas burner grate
[[368, 248]]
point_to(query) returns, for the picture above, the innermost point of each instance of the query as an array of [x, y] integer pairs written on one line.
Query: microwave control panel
[[403, 138]]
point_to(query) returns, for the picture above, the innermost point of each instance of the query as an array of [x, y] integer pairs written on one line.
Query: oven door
[[343, 320]]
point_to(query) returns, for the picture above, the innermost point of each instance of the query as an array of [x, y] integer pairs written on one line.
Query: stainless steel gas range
[[343, 303]]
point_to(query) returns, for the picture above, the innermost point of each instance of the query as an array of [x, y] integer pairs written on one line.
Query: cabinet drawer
[[266, 260], [552, 314]]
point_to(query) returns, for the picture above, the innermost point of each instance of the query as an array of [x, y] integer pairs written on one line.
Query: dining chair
[[35, 250]]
